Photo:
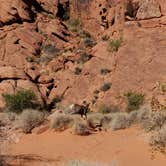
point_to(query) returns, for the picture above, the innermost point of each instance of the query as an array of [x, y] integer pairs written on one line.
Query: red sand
[[125, 147]]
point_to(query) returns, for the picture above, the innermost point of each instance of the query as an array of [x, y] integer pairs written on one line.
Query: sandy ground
[[123, 148]]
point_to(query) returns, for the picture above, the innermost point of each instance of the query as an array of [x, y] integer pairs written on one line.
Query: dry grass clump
[[30, 119], [140, 116], [158, 139], [154, 121], [94, 120], [114, 45], [120, 121], [80, 128], [99, 120], [62, 122]]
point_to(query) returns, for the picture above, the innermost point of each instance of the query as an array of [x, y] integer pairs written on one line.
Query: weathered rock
[[14, 11], [6, 86], [45, 79], [19, 43], [32, 72], [49, 5], [148, 9], [8, 72]]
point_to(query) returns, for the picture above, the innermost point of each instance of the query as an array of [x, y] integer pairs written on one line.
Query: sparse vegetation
[[77, 70], [106, 86], [89, 42], [80, 128], [30, 59], [158, 139], [49, 52], [120, 121], [134, 100], [114, 45], [84, 57], [30, 119], [62, 122], [154, 121], [105, 38], [22, 99], [94, 120], [84, 34], [163, 87], [73, 24], [104, 71]]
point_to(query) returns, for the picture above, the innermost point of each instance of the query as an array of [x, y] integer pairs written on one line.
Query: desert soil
[[122, 148]]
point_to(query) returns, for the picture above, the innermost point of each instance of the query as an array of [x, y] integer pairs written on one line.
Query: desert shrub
[[22, 99], [95, 119], [30, 119], [140, 116], [30, 59], [105, 38], [135, 100], [84, 34], [77, 71], [120, 121], [80, 129], [158, 139], [56, 101], [163, 87], [62, 122], [89, 42], [49, 52], [104, 71], [73, 25], [114, 45], [96, 91], [84, 57], [106, 121], [154, 121], [106, 86]]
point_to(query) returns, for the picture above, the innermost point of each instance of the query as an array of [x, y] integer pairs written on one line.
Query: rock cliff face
[[57, 48]]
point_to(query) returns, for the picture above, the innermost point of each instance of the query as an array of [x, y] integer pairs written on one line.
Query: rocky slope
[[40, 49]]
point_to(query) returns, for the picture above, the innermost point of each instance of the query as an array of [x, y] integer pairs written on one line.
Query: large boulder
[[148, 9]]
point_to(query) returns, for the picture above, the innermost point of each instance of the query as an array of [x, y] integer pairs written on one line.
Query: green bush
[[22, 99], [134, 100], [114, 45]]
